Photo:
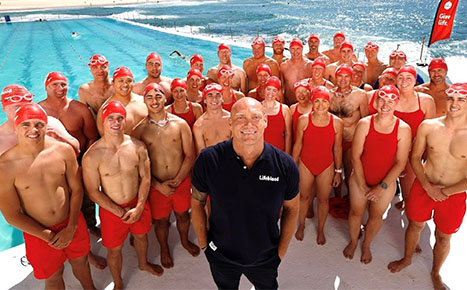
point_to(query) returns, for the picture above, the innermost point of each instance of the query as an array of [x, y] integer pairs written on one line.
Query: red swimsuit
[[371, 108], [379, 153], [189, 116], [228, 107], [274, 133], [318, 143], [296, 114], [412, 118]]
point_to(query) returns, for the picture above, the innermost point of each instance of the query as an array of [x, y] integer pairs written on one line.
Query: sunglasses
[[395, 54], [391, 96], [461, 92]]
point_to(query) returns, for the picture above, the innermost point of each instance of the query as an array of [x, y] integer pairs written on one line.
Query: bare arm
[[288, 128], [298, 145], [198, 215], [100, 127], [430, 107], [288, 223], [243, 82], [198, 134], [56, 130], [358, 142], [188, 152], [92, 182], [89, 128], [363, 107], [337, 149], [82, 94], [144, 170]]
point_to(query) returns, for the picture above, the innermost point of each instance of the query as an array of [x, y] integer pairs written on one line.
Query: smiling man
[[248, 182], [154, 70]]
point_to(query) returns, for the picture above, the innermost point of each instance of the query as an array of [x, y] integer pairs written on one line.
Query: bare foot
[[152, 268], [321, 239], [97, 261], [396, 266], [310, 213], [350, 250], [437, 282], [418, 250], [95, 231], [191, 248], [166, 259], [118, 285], [366, 255], [299, 235], [400, 205]]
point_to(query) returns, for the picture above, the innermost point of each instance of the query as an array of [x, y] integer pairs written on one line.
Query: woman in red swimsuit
[[413, 108], [189, 111], [279, 129], [317, 74], [303, 105], [225, 76], [380, 151], [318, 151]]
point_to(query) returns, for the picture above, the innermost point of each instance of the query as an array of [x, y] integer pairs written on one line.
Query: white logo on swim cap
[[448, 5]]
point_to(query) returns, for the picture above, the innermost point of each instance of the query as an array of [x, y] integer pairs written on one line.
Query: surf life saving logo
[[268, 178]]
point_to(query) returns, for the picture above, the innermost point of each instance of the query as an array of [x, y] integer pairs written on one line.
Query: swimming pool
[[33, 49]]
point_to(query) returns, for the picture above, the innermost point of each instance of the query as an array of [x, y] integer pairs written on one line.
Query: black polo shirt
[[245, 203]]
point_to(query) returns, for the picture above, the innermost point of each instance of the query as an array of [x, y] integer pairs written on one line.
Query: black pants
[[227, 275]]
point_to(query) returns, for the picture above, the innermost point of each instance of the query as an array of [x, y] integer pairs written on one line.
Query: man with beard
[[154, 69]]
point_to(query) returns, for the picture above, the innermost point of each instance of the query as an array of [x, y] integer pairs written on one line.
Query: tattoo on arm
[[198, 195]]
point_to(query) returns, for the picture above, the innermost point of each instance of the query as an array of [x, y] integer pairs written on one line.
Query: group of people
[[246, 149]]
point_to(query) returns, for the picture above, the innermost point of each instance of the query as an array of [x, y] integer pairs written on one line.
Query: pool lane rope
[[71, 45], [12, 44]]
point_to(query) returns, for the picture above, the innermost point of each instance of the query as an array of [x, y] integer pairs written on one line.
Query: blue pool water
[[36, 48]]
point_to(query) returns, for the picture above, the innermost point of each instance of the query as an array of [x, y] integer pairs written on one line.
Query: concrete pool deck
[[306, 265]]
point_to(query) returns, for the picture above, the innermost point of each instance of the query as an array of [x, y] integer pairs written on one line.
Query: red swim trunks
[[180, 201], [115, 231], [46, 260], [448, 214]]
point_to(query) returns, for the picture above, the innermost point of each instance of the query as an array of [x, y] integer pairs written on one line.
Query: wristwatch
[[383, 185]]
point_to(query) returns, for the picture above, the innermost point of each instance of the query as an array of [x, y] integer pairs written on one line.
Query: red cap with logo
[[30, 112], [54, 76], [111, 108], [14, 94]]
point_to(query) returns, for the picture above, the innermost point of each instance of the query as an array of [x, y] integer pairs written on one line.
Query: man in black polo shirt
[[248, 182]]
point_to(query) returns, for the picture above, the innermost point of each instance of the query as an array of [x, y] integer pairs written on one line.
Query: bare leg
[[324, 183], [161, 227], [375, 220], [183, 226], [82, 271], [97, 261], [56, 280], [440, 253], [358, 204], [141, 247], [306, 185], [406, 184], [347, 162], [311, 213], [114, 260], [412, 236]]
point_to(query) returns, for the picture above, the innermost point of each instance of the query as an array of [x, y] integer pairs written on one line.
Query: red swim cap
[[155, 56], [296, 42], [319, 61], [55, 76], [390, 70], [460, 88], [343, 69], [339, 33], [313, 36], [346, 44], [390, 92], [278, 39], [263, 67], [223, 46], [14, 94], [212, 88], [438, 63], [193, 72], [398, 53], [177, 82], [29, 112], [408, 69], [195, 58], [97, 60], [302, 84], [371, 45], [320, 92], [273, 82], [225, 70], [121, 72], [111, 108], [258, 40], [155, 87], [360, 64]]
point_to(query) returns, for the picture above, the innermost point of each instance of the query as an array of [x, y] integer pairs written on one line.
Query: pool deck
[[306, 265]]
